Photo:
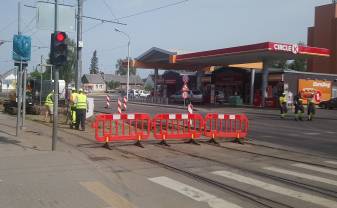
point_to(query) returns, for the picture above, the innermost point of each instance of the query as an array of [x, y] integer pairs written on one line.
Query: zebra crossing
[[258, 183]]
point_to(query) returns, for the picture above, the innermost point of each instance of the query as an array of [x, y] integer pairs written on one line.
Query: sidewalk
[[32, 176]]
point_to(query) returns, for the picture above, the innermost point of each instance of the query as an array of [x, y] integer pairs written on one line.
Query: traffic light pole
[[56, 89], [78, 71], [24, 70], [19, 80]]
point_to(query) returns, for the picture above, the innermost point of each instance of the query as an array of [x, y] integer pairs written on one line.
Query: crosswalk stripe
[[312, 133], [315, 168], [193, 193], [302, 175], [278, 189], [331, 162]]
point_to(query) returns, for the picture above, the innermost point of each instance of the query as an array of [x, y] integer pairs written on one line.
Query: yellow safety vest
[[73, 98], [283, 100], [49, 100], [81, 101]]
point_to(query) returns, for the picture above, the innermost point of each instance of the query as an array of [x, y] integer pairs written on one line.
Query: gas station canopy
[[248, 56]]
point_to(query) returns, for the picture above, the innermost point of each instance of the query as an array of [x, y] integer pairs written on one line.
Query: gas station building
[[245, 71]]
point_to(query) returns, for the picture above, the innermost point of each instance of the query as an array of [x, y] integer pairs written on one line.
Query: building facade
[[324, 34]]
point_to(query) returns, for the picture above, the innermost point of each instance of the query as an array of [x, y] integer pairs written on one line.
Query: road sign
[[22, 46], [185, 79], [185, 95], [185, 88]]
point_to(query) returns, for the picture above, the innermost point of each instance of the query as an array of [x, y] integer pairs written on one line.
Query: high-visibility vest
[[283, 99], [81, 101], [49, 99], [73, 98]]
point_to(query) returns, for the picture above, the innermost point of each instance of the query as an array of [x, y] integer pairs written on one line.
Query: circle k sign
[[287, 48]]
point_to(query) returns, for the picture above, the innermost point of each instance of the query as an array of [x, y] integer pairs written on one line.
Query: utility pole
[[41, 81], [24, 96], [56, 89], [19, 78], [79, 45]]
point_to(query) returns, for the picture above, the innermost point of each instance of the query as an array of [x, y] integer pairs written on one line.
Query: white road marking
[[302, 175], [193, 193], [331, 132], [311, 133], [315, 168], [331, 162], [278, 189]]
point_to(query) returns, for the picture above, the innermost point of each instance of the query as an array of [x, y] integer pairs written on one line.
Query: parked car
[[143, 93], [219, 97], [329, 104], [194, 96]]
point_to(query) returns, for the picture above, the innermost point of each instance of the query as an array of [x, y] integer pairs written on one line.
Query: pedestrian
[[299, 108], [311, 108], [81, 103], [283, 105], [49, 103], [73, 108]]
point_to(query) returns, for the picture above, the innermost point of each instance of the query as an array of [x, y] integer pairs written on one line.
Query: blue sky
[[193, 25]]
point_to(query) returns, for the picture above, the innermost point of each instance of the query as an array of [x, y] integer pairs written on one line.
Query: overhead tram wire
[[152, 10], [8, 25]]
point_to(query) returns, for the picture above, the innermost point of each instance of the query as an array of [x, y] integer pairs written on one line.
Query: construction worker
[[283, 105], [73, 108], [49, 103], [299, 108], [311, 108], [81, 103]]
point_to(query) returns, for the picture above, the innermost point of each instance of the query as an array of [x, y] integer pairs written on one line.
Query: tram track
[[317, 189], [254, 198]]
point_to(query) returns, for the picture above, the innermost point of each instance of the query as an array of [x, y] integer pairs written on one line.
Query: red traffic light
[[60, 36]]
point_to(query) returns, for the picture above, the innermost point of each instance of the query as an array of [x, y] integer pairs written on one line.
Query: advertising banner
[[319, 90]]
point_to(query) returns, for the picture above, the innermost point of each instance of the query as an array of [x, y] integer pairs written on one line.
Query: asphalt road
[[265, 125], [83, 174]]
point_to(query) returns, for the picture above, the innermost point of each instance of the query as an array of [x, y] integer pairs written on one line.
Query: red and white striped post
[[107, 101], [190, 111], [119, 106], [190, 108], [125, 103]]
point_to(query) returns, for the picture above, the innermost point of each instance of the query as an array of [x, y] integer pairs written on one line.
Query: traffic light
[[58, 48]]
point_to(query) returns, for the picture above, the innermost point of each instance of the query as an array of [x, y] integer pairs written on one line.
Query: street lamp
[[128, 76]]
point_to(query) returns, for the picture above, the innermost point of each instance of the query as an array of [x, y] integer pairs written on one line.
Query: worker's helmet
[[284, 93], [80, 90], [73, 89]]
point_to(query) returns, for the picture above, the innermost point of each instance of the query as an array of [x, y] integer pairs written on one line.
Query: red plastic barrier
[[226, 126], [177, 126], [121, 127]]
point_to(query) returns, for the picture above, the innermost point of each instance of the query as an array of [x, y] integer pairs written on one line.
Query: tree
[[94, 63], [299, 63], [122, 69], [281, 64], [113, 84]]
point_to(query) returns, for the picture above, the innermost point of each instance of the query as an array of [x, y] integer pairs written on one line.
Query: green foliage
[[298, 64], [148, 87], [281, 64], [94, 63], [113, 84], [123, 70]]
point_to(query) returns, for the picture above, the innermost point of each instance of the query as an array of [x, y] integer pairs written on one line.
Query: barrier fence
[[177, 126], [139, 126], [225, 126], [122, 127]]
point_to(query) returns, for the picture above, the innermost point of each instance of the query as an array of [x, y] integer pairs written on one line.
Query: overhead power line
[[152, 10]]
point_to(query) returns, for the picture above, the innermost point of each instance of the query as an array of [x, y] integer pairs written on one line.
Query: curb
[[166, 106]]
